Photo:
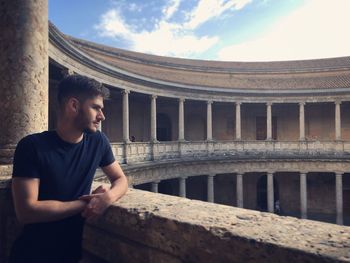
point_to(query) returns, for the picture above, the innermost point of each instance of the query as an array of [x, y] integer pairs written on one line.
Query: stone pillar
[[154, 186], [270, 193], [337, 121], [302, 121], [269, 121], [182, 186], [210, 187], [126, 137], [303, 195], [209, 121], [238, 121], [339, 197], [239, 189], [181, 120], [153, 118], [24, 72]]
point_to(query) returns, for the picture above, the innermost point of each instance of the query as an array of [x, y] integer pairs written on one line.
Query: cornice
[[278, 67], [69, 49]]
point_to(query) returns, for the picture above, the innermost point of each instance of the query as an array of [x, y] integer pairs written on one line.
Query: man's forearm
[[118, 189], [50, 210]]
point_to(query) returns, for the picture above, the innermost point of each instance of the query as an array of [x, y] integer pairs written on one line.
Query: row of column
[[238, 135], [270, 192]]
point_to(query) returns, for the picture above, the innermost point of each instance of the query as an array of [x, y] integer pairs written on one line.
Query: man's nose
[[101, 116]]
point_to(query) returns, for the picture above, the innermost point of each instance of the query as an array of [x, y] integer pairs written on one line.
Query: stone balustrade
[[141, 151], [148, 227]]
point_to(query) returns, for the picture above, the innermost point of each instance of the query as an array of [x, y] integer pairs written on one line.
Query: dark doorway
[[163, 127], [261, 128], [169, 187], [261, 201]]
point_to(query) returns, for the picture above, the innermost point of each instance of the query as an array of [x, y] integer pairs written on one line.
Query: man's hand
[[102, 197], [98, 201], [101, 189]]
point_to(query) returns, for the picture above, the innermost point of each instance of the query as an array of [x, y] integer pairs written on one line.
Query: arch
[[163, 127]]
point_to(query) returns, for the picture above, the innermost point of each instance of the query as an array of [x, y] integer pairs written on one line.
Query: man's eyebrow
[[97, 106]]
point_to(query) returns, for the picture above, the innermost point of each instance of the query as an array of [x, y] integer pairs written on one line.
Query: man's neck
[[68, 133]]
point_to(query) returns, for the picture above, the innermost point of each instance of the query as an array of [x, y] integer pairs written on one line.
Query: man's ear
[[73, 105]]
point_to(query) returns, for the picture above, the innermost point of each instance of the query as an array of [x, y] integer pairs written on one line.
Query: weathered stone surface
[[5, 173], [24, 71], [194, 231]]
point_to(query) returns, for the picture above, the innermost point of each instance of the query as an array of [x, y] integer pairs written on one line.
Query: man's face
[[90, 114]]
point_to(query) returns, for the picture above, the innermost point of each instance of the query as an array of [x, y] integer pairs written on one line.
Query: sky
[[226, 30]]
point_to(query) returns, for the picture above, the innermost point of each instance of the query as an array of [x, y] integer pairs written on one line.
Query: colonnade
[[270, 192], [238, 130]]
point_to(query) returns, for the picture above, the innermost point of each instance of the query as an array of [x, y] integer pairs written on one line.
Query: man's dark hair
[[80, 87]]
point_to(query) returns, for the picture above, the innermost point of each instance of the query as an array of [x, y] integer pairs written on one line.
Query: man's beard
[[83, 123]]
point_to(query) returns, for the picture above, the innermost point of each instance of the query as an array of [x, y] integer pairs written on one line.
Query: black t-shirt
[[66, 171]]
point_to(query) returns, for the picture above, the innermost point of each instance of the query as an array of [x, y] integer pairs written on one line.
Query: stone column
[[339, 197], [270, 193], [269, 120], [209, 121], [126, 116], [153, 118], [181, 120], [210, 187], [238, 121], [303, 195], [302, 121], [337, 121], [24, 72], [154, 186], [239, 189], [182, 186]]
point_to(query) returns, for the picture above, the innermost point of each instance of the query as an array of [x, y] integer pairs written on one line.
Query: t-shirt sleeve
[[25, 162], [107, 154]]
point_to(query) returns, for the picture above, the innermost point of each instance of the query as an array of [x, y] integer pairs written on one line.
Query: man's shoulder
[[98, 140], [96, 136], [36, 138]]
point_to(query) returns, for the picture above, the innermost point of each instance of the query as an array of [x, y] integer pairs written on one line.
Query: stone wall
[[148, 227]]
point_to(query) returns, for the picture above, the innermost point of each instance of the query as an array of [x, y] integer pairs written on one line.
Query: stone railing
[[148, 227], [141, 152]]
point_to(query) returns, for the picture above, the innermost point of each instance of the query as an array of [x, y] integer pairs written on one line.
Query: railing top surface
[[198, 221]]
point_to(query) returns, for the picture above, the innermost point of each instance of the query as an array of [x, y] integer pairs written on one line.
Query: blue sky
[[233, 30]]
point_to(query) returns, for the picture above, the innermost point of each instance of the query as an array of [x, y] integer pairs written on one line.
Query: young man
[[53, 173]]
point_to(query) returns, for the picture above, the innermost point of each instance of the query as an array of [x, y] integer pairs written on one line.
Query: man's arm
[[100, 201], [29, 209]]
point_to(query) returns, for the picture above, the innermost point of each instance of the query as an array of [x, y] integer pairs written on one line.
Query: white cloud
[[166, 38], [208, 9], [169, 10], [319, 29], [113, 25]]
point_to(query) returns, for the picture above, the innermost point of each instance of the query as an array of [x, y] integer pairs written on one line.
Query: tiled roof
[[329, 73]]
